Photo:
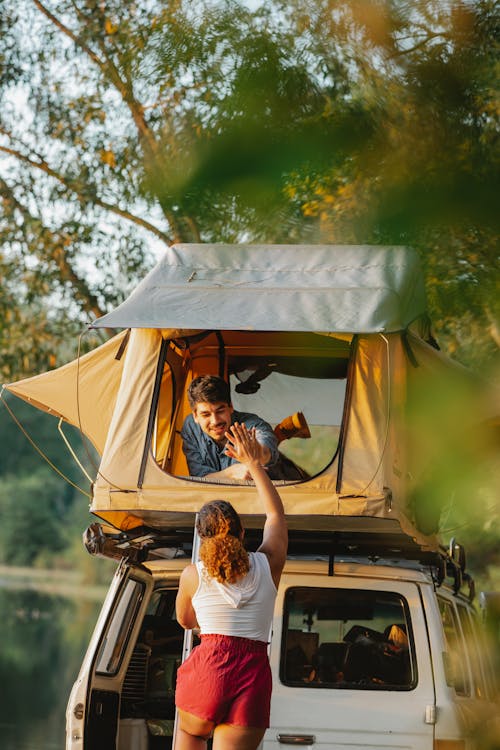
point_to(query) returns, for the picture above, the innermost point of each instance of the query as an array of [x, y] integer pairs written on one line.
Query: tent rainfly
[[337, 332]]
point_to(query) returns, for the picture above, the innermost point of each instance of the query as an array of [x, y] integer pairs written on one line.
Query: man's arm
[[198, 467], [235, 473], [197, 464]]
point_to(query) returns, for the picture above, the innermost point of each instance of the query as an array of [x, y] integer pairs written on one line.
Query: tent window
[[273, 375], [280, 395]]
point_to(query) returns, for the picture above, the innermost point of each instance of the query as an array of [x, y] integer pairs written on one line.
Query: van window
[[455, 648], [473, 649], [347, 638], [119, 627]]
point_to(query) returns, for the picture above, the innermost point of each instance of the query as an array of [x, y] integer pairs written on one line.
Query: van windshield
[[350, 639]]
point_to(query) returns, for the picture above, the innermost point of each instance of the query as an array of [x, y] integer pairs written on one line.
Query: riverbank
[[67, 583]]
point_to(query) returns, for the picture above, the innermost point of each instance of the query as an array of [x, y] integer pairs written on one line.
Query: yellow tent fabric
[[110, 400], [362, 488], [82, 392]]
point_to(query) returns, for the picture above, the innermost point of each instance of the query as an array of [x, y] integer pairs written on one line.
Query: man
[[204, 435]]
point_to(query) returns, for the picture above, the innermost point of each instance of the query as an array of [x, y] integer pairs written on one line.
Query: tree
[[428, 173], [30, 517], [127, 126], [130, 126]]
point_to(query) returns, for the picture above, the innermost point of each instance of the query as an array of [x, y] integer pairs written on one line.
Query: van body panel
[[98, 688], [78, 696], [361, 718], [463, 698], [431, 705]]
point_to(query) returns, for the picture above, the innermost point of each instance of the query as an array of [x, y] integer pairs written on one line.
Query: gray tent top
[[326, 288]]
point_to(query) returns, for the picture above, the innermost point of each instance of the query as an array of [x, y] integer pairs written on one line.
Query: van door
[[94, 705], [467, 676], [351, 665]]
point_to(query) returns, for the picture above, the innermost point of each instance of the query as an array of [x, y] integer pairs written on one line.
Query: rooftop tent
[[349, 289], [337, 327]]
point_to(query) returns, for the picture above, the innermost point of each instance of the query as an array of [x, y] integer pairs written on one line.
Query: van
[[371, 647], [375, 644]]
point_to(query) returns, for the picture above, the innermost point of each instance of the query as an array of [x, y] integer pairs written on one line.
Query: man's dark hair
[[209, 388]]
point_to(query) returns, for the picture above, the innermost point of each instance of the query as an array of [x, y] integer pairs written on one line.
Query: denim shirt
[[205, 456]]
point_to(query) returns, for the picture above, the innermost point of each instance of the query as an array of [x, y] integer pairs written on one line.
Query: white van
[[366, 651]]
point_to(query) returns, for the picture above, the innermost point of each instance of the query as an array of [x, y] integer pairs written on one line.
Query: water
[[42, 642]]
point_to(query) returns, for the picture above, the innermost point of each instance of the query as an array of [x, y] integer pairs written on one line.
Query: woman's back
[[244, 608]]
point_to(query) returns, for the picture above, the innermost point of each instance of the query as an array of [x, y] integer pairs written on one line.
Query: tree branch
[[193, 226], [109, 70], [418, 45], [59, 256], [42, 165], [67, 32]]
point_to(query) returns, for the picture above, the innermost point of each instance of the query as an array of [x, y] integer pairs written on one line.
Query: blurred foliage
[[43, 514], [21, 456], [127, 126], [455, 459]]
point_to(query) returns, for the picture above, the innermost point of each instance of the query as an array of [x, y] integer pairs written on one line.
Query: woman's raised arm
[[243, 446]]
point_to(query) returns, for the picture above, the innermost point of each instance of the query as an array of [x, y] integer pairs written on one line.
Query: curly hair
[[222, 551]]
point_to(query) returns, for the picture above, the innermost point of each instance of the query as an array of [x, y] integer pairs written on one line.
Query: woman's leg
[[233, 737], [192, 732]]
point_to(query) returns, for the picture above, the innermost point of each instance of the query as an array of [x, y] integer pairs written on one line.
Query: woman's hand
[[242, 444]]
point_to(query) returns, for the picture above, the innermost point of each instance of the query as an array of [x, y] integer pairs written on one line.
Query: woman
[[224, 687]]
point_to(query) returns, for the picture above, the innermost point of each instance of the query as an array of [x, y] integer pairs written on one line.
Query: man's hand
[[238, 472], [242, 444], [233, 473]]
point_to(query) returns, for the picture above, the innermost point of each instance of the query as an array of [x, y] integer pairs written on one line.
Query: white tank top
[[244, 608]]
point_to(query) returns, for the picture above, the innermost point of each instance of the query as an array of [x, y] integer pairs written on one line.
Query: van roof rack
[[371, 539]]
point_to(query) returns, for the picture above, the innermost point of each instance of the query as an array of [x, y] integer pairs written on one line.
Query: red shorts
[[226, 680]]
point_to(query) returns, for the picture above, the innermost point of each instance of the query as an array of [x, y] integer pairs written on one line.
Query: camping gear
[[293, 426]]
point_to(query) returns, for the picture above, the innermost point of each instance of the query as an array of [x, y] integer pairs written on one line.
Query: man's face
[[214, 419]]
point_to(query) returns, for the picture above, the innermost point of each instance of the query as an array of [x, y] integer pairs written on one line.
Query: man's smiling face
[[214, 419]]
